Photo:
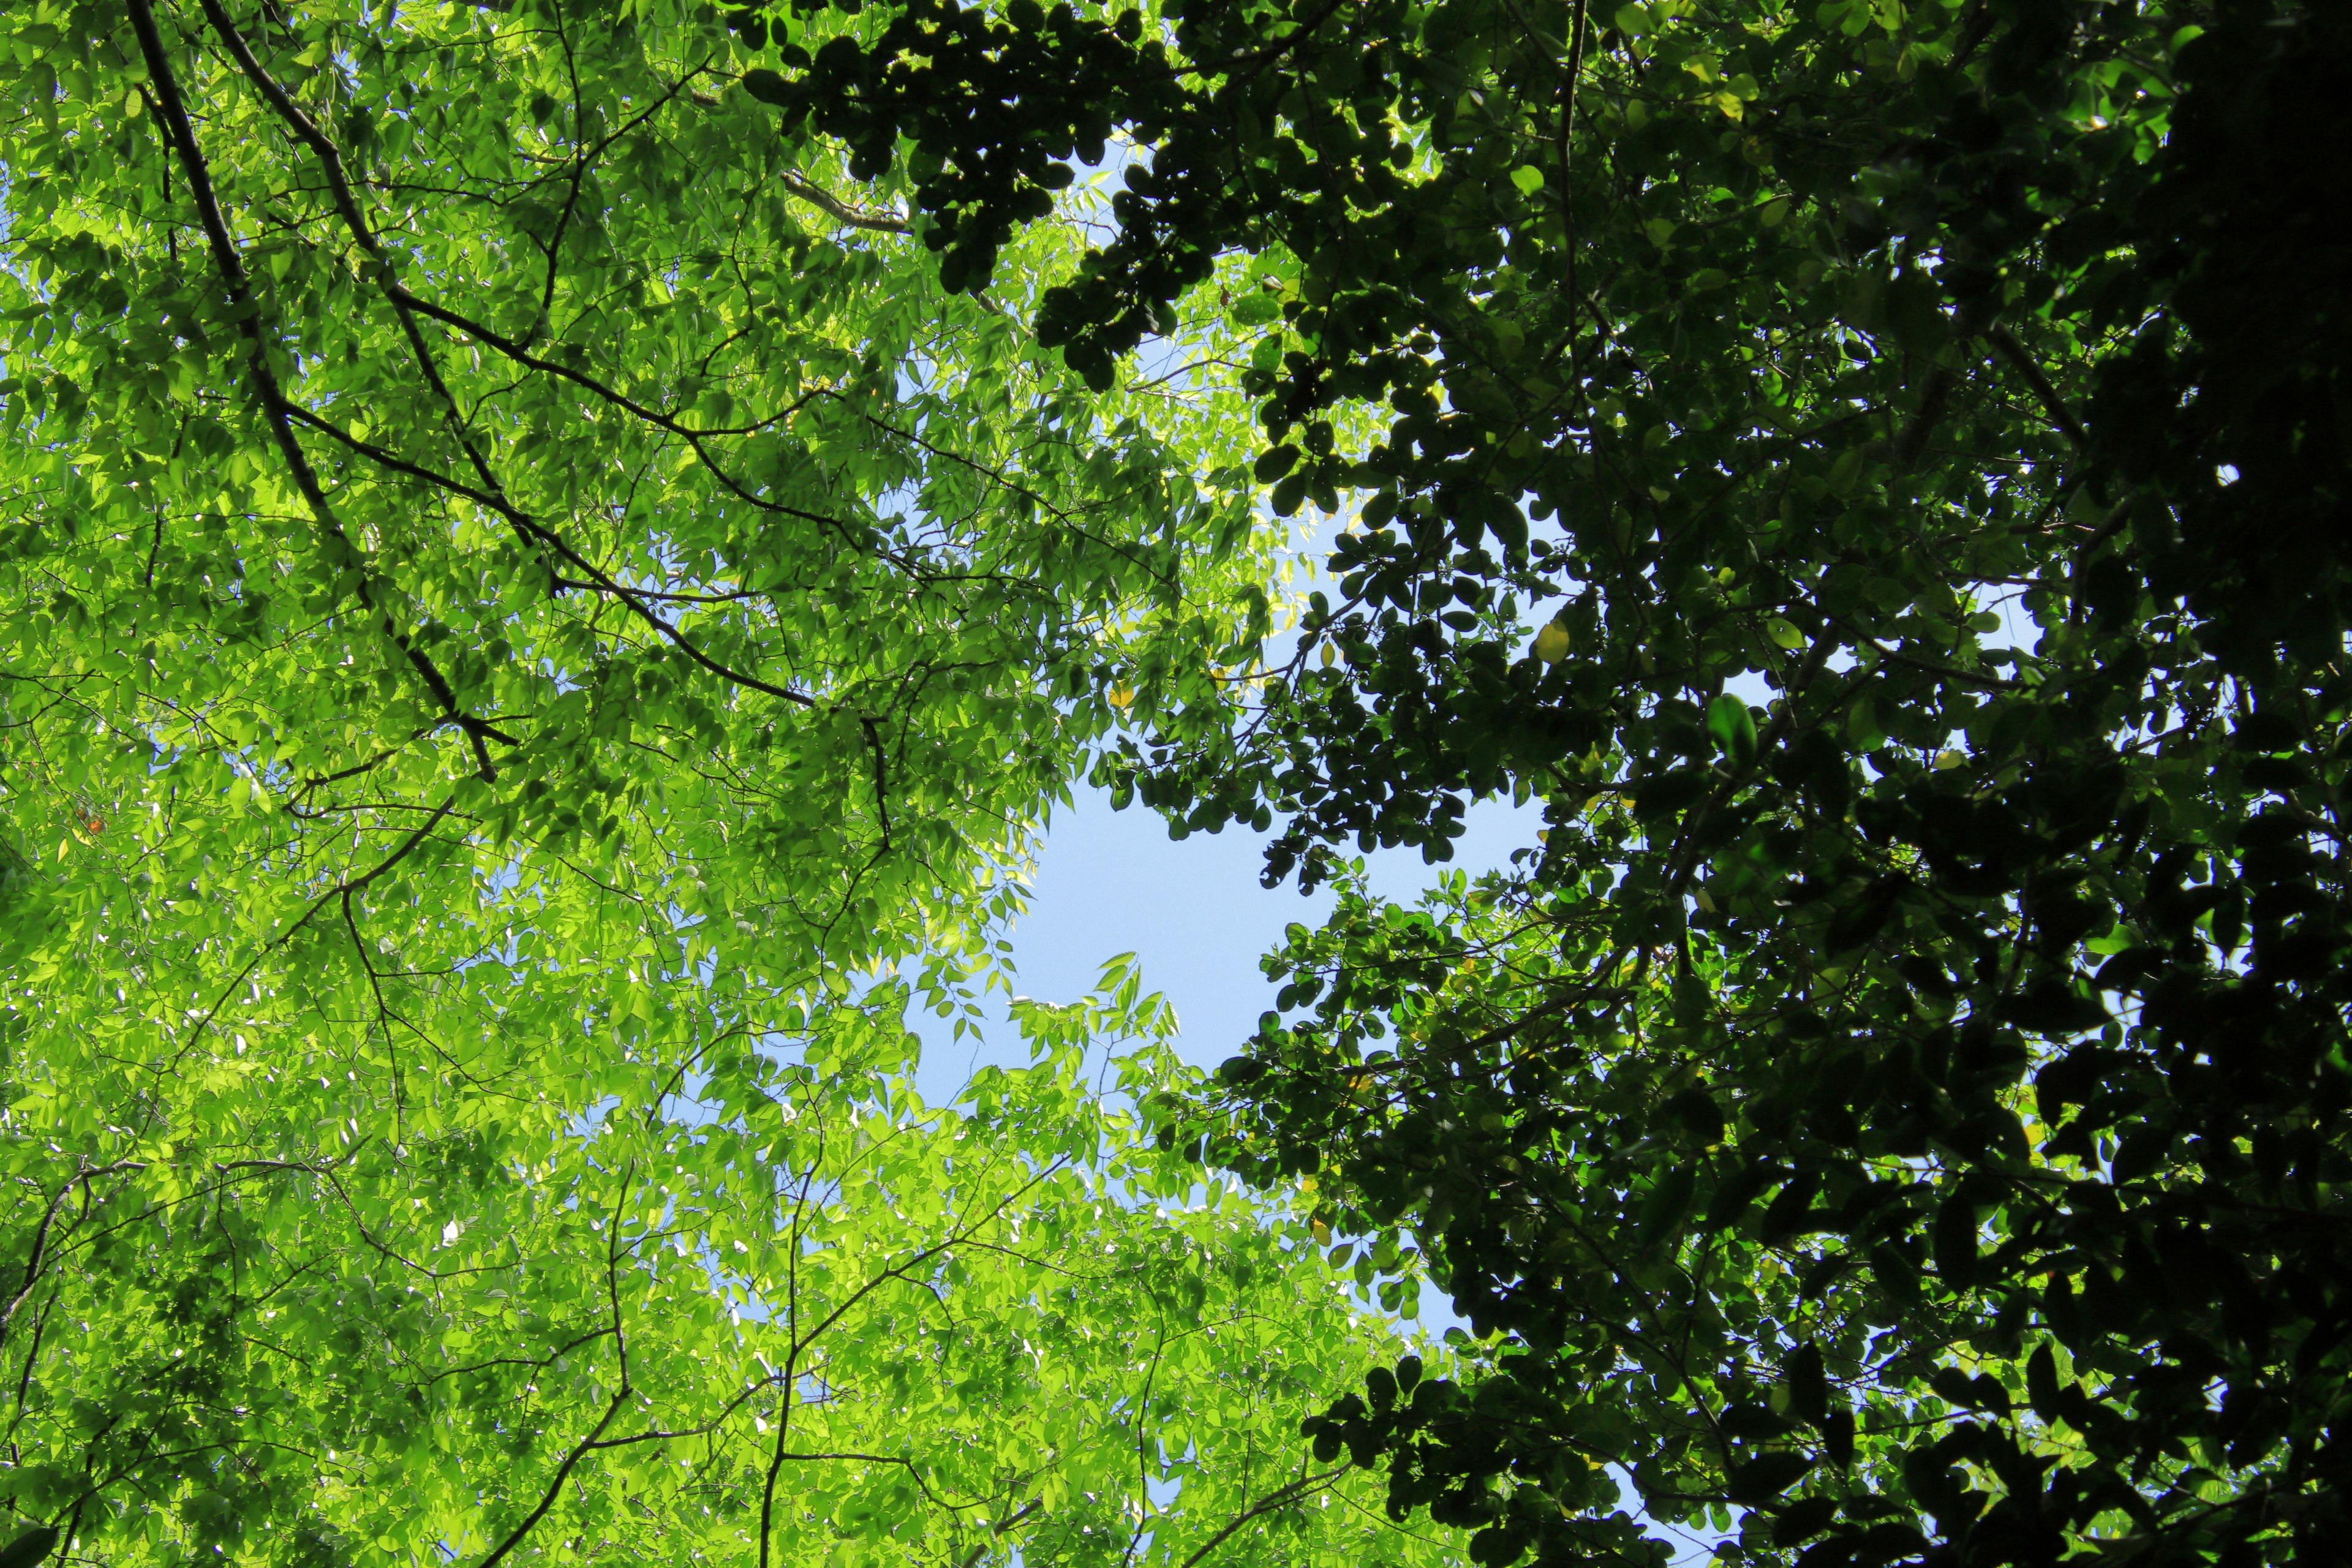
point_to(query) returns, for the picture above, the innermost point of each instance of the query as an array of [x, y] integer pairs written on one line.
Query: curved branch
[[1304, 1485], [997, 1532], [619, 1395], [555, 1486], [339, 890], [492, 494], [493, 499], [247, 312], [33, 1262]]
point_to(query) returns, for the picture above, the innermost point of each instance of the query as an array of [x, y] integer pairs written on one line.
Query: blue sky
[[1109, 882], [1112, 881]]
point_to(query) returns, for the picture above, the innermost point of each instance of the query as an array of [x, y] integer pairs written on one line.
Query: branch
[[579, 157], [266, 391], [692, 437], [2052, 404], [817, 195], [881, 779], [1257, 60], [1568, 185], [973, 1557], [1912, 440], [620, 1395], [493, 499], [1895, 656], [41, 1234], [562, 1473], [306, 1167], [341, 890], [492, 494], [913, 1473], [1276, 1498]]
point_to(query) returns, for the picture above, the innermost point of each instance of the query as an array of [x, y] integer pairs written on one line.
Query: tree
[[1923, 1091], [1901, 1097], [819, 1321], [533, 635], [1876, 474]]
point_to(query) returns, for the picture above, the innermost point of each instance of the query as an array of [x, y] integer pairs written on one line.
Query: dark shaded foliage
[[1908, 1108]]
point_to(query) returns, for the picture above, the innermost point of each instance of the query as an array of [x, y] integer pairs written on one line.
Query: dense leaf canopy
[[605, 562], [533, 632], [1875, 473]]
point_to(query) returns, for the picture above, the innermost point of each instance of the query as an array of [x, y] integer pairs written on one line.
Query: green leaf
[[1732, 728], [1809, 1392], [766, 86], [29, 1548], [1766, 1477]]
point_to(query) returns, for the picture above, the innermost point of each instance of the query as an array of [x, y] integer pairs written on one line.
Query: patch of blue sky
[[1192, 913]]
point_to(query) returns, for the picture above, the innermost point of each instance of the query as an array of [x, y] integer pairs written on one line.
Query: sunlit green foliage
[[533, 632], [554, 549]]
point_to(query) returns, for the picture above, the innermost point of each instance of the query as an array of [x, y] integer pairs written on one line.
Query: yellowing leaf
[[1552, 643]]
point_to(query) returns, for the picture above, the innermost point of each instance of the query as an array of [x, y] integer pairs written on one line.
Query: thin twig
[[1279, 1497]]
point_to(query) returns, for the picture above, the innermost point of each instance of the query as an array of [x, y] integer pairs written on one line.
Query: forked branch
[[270, 394], [491, 492]]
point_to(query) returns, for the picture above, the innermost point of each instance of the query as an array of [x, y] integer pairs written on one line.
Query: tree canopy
[[534, 633], [603, 532], [1875, 473]]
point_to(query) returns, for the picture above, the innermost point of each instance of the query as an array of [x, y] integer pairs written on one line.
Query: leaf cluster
[[1874, 473], [534, 633]]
